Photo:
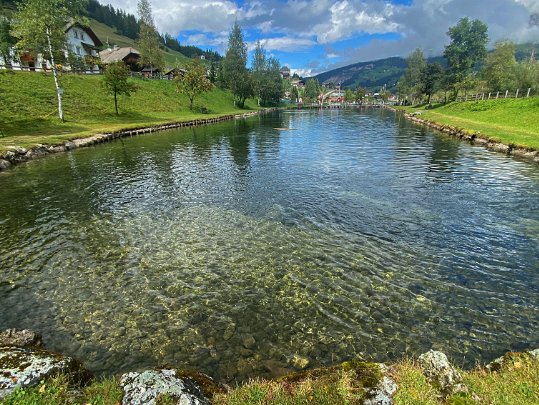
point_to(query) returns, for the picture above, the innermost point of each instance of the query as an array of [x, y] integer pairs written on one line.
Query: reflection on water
[[233, 248]]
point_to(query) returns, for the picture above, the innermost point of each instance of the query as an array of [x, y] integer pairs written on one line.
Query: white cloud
[[286, 43]]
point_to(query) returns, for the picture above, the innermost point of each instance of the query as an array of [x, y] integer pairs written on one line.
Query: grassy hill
[[106, 33], [509, 121], [28, 107]]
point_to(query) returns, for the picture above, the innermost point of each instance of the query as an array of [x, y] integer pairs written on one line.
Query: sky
[[315, 36]]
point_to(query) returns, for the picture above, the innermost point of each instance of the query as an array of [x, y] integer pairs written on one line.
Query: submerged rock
[[20, 337], [25, 367], [300, 362], [440, 372], [147, 386]]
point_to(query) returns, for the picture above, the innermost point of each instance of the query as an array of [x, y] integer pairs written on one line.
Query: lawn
[[509, 121], [28, 110]]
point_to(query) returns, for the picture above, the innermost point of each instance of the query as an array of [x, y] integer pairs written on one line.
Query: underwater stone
[[145, 388], [229, 331], [4, 164], [248, 341], [24, 367], [300, 362], [20, 337]]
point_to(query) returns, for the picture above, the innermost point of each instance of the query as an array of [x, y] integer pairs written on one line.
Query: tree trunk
[[116, 103], [55, 75], [191, 99]]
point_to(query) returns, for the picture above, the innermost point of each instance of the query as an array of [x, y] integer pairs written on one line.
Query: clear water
[[235, 248]]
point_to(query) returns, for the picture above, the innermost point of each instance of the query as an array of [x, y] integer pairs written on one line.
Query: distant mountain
[[373, 75]]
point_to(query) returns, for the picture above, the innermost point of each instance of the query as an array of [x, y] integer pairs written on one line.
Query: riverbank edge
[[474, 138], [29, 372], [16, 155]]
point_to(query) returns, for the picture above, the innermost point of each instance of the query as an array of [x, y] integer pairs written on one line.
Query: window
[[82, 36], [75, 33], [79, 50]]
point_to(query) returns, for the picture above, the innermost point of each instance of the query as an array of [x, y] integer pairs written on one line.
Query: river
[[251, 247]]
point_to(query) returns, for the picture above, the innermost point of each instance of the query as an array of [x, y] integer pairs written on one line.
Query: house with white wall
[[81, 42]]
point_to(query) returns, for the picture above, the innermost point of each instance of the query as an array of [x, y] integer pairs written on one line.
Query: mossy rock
[[26, 367]]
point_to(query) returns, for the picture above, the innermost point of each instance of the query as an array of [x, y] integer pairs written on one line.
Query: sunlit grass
[[510, 121], [28, 111]]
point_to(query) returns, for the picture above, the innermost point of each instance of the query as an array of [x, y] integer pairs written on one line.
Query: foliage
[[234, 74], [500, 67], [467, 49], [360, 94], [415, 65], [40, 27], [190, 51], [194, 82], [431, 79], [312, 89], [528, 74], [148, 42], [126, 24], [267, 82], [7, 40], [116, 81], [349, 95]]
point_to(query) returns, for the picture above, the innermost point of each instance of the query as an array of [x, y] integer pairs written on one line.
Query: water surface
[[237, 248]]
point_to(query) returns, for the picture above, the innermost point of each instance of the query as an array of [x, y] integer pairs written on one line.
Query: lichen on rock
[[20, 337], [25, 367], [441, 373], [147, 386]]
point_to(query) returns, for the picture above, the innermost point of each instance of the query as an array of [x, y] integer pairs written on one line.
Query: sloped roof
[[112, 55], [86, 29]]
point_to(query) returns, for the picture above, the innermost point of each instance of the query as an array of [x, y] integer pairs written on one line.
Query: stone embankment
[[15, 155], [25, 363], [475, 138]]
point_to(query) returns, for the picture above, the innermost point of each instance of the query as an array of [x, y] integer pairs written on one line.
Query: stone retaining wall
[[16, 155], [475, 138]]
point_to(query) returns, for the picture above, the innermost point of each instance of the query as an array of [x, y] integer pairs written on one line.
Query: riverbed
[[288, 240]]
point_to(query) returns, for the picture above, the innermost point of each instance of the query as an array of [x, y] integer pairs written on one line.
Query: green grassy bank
[[28, 111], [509, 121], [516, 383]]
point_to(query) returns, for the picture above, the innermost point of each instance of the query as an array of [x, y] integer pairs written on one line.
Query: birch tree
[[148, 42], [40, 26]]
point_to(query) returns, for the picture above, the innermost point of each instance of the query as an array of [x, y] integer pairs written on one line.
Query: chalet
[[298, 83], [285, 72], [130, 56], [81, 42], [174, 73]]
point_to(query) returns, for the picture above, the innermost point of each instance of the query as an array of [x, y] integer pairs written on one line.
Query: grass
[[516, 383], [106, 33], [509, 121], [28, 111]]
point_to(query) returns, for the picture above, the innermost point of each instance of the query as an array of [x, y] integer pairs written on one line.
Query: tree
[[500, 67], [7, 41], [431, 77], [416, 63], [360, 94], [259, 71], [148, 43], [349, 95], [40, 25], [467, 49], [116, 81], [312, 89], [234, 74], [194, 82]]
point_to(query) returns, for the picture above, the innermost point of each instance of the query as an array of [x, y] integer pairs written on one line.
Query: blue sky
[[314, 36]]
